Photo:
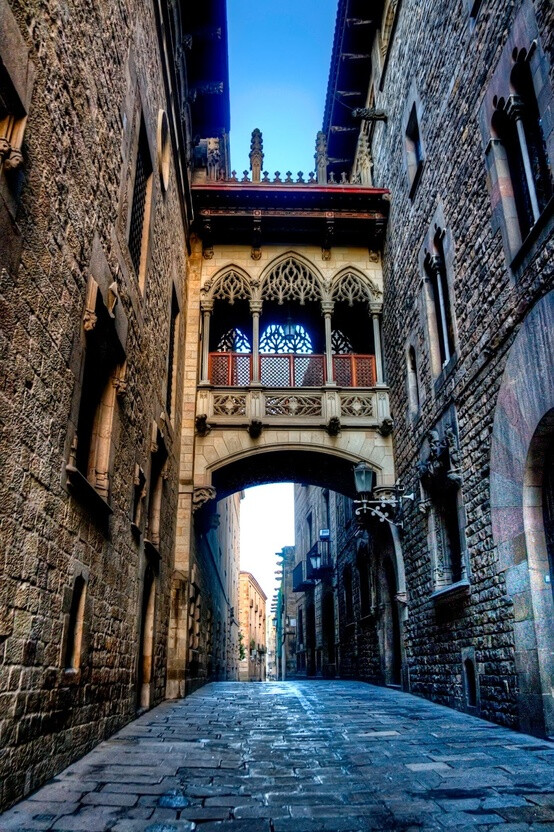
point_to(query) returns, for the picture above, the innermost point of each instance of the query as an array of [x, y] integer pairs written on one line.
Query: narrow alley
[[300, 756]]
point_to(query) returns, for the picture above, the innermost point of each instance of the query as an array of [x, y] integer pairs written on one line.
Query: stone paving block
[[332, 772]]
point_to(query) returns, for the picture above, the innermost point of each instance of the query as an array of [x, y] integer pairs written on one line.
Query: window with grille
[[137, 228]]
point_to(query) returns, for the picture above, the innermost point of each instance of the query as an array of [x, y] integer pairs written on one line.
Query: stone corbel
[[201, 495]]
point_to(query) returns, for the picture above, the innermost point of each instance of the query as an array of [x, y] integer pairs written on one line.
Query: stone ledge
[[457, 590]]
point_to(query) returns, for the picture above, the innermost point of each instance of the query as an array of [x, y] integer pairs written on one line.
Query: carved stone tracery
[[291, 280]]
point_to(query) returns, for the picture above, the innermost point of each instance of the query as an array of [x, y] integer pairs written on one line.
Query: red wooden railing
[[354, 370], [234, 369], [230, 369]]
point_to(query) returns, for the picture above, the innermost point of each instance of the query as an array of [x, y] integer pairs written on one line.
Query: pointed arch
[[292, 277], [351, 285], [231, 283]]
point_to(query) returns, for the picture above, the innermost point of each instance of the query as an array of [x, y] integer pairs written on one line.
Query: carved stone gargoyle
[[255, 429], [333, 426], [440, 468], [201, 425], [386, 427], [369, 114]]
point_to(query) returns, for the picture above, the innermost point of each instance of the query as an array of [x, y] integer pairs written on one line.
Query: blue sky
[[279, 58]]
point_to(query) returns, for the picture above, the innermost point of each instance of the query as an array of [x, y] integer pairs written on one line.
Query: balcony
[[233, 369], [292, 388], [319, 563], [315, 566], [300, 581]]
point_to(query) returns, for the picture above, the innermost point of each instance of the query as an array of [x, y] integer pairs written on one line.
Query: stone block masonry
[[94, 73], [445, 64]]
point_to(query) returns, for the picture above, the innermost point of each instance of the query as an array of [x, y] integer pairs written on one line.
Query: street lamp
[[364, 480]]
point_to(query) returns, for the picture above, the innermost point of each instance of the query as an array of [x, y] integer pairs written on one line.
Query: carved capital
[[201, 495], [375, 307], [207, 304], [327, 307], [256, 307], [515, 107]]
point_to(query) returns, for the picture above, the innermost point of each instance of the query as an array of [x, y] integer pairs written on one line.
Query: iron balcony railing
[[232, 369], [319, 562], [300, 582]]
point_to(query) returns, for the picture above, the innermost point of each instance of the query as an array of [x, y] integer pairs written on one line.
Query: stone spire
[[321, 160], [256, 154]]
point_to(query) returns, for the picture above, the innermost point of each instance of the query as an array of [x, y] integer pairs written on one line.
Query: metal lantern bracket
[[379, 507]]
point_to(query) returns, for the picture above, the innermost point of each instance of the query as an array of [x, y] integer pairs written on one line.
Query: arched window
[[75, 625], [234, 340], [525, 112], [517, 123], [340, 343], [435, 266], [286, 338]]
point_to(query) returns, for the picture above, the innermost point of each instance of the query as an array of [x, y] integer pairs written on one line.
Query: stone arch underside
[[299, 466], [526, 395], [290, 455]]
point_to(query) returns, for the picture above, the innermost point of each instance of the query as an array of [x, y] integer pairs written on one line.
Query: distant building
[[285, 617], [252, 618]]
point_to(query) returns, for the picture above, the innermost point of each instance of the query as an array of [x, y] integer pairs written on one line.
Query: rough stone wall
[[448, 60], [93, 66]]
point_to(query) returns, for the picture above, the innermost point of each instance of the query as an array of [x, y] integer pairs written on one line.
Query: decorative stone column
[[514, 109], [375, 309], [255, 311], [207, 309], [436, 267], [327, 307]]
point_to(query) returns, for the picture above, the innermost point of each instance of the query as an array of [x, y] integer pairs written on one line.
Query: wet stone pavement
[[298, 757]]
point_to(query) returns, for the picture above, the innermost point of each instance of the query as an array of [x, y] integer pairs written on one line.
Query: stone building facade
[[283, 611], [171, 335], [253, 627], [457, 117], [94, 218], [350, 593]]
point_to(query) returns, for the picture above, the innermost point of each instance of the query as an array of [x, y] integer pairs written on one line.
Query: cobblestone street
[[300, 756]]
